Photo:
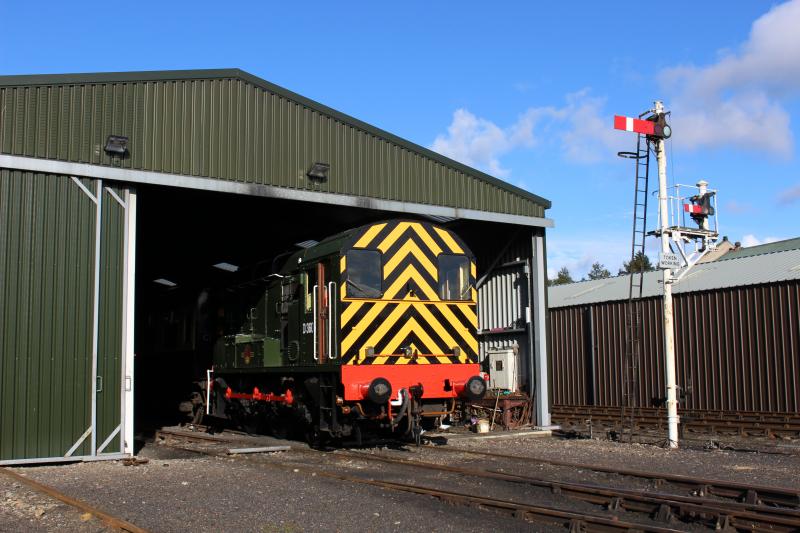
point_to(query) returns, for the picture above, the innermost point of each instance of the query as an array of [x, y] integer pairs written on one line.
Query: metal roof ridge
[[573, 283], [753, 251], [177, 75]]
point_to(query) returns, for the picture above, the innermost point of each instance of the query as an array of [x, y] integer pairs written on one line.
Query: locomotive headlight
[[475, 388], [379, 391]]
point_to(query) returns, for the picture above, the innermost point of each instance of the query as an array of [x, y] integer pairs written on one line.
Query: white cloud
[[738, 100], [579, 129], [752, 240], [578, 254], [789, 196], [474, 141], [589, 136]]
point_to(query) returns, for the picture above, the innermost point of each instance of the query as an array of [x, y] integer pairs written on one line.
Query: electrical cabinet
[[503, 369]]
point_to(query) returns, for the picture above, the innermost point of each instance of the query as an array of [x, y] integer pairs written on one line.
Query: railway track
[[575, 521], [664, 507], [743, 423], [109, 520], [714, 514], [740, 492]]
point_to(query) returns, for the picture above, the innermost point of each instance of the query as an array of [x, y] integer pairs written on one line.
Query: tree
[[598, 271], [640, 263], [562, 278]]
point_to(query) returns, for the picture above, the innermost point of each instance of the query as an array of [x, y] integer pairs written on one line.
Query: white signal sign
[[669, 260]]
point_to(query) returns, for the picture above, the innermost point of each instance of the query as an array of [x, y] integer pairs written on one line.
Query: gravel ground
[[431, 478], [776, 470], [204, 493], [24, 509], [184, 491]]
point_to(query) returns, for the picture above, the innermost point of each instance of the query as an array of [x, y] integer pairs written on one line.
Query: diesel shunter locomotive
[[375, 328]]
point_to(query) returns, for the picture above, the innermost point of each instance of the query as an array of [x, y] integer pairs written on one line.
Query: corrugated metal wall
[[230, 129], [47, 276], [502, 302], [737, 349]]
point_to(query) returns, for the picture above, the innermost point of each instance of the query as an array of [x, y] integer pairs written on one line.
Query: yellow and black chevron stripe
[[410, 314]]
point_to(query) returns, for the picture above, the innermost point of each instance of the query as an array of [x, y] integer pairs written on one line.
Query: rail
[[108, 519], [750, 511], [743, 423]]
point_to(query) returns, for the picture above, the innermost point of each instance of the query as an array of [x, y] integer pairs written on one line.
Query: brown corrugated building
[[737, 335]]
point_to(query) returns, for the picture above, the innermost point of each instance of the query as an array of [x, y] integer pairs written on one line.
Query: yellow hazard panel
[[410, 323]]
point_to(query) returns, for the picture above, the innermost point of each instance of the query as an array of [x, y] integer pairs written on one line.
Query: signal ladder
[[633, 314]]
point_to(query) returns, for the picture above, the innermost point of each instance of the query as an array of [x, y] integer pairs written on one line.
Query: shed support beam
[[50, 166], [539, 366]]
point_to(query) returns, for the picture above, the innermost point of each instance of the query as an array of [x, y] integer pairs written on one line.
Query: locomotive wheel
[[317, 439], [312, 437]]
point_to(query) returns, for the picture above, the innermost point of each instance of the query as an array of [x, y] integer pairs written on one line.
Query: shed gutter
[[49, 166]]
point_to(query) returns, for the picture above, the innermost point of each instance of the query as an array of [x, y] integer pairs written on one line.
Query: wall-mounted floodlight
[[116, 145], [319, 171], [226, 266]]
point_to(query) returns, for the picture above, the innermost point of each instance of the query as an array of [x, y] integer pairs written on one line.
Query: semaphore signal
[[653, 130]]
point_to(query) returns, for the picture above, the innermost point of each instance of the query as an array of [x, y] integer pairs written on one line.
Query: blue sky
[[524, 90]]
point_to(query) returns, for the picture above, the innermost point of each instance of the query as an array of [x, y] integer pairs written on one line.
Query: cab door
[[319, 330]]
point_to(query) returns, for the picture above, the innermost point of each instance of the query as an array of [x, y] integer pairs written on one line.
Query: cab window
[[364, 274], [454, 277]]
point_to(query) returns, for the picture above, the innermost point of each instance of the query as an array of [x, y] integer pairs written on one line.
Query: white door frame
[[128, 316]]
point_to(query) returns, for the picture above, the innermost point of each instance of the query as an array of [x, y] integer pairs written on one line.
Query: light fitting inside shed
[[226, 266], [319, 171]]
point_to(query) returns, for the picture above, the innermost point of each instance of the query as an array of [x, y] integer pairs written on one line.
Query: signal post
[[666, 279], [699, 207]]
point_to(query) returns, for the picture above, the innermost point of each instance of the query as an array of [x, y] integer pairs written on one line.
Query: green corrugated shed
[[66, 341], [231, 125], [48, 244]]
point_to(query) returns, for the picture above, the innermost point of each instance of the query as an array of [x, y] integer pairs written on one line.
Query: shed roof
[[773, 264], [160, 113], [768, 248]]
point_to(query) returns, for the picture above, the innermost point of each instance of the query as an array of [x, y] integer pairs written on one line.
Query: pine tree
[[562, 278], [598, 271], [640, 263]]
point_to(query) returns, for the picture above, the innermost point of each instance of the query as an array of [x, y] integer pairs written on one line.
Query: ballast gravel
[[214, 494], [186, 491], [24, 509], [772, 469]]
